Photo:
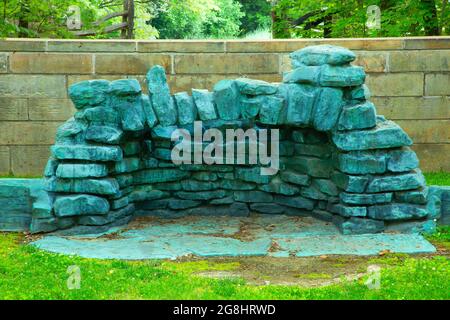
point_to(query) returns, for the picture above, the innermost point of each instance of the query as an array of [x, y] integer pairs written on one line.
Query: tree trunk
[[23, 20]]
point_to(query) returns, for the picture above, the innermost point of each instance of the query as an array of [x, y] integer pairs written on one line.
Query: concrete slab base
[[258, 235]]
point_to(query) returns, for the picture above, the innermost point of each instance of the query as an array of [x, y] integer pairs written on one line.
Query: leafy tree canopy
[[347, 18]]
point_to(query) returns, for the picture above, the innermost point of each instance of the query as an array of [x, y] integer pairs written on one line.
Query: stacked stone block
[[340, 161]]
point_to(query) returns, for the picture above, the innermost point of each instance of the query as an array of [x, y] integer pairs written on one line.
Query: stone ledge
[[276, 45]]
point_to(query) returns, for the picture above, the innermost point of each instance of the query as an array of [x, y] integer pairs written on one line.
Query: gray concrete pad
[[259, 235]]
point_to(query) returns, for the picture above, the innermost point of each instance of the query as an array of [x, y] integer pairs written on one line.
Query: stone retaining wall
[[409, 79]]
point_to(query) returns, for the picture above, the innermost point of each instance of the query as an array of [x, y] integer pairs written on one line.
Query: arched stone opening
[[339, 161]]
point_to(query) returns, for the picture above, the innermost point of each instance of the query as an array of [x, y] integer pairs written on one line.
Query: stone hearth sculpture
[[339, 160]]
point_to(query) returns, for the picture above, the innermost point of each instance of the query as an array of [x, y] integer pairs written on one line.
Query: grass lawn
[[28, 273], [438, 178]]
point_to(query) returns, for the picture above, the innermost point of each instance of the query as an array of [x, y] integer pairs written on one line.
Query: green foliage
[[438, 178], [194, 19], [47, 18], [41, 18], [28, 273], [347, 18], [257, 16]]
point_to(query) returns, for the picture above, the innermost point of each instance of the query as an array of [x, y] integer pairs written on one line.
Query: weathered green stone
[[280, 188], [50, 167], [107, 186], [322, 54], [146, 193], [125, 87], [325, 186], [286, 148], [124, 180], [386, 134], [204, 101], [127, 165], [250, 107], [300, 103], [227, 97], [193, 185], [271, 109], [314, 167], [402, 160], [104, 134], [120, 203], [350, 183], [361, 116], [367, 199], [187, 113], [69, 170], [312, 193], [417, 227], [70, 128], [150, 116], [402, 182], [89, 93], [327, 108], [295, 202], [133, 116], [267, 208], [205, 176], [315, 150], [252, 196], [361, 93], [296, 178], [255, 87], [298, 136], [322, 215], [303, 74], [434, 204], [80, 205], [113, 216], [348, 76], [163, 133], [162, 153], [397, 211], [201, 195], [131, 148], [149, 163], [228, 184], [226, 200], [348, 211], [204, 167], [99, 115], [235, 210], [361, 162], [160, 97], [358, 225], [415, 197], [177, 204], [84, 152], [159, 175], [43, 225], [251, 175]]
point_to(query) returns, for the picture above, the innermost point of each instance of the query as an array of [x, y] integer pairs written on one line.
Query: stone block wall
[[409, 79], [340, 160]]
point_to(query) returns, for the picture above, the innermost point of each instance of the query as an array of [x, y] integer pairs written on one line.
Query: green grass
[[28, 273], [438, 178]]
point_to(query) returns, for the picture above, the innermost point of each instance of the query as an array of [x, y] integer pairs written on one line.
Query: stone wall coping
[[215, 46]]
